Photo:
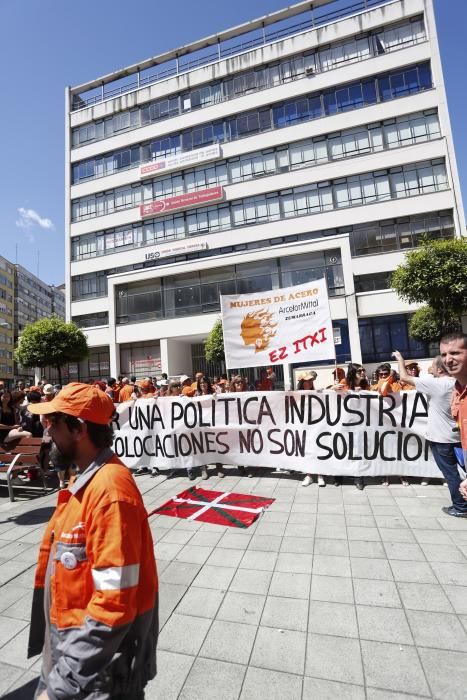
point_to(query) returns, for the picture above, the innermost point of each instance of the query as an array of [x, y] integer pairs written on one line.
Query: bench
[[28, 453]]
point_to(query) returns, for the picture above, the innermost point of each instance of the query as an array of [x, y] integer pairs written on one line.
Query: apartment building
[[314, 141], [7, 280]]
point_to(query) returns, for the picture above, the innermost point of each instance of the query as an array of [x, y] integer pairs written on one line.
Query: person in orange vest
[[95, 603]]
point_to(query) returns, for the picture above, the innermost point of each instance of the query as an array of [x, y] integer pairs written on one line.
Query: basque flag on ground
[[218, 507]]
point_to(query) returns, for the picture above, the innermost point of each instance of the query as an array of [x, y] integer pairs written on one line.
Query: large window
[[381, 335], [338, 99], [391, 133], [356, 49], [406, 181], [199, 292]]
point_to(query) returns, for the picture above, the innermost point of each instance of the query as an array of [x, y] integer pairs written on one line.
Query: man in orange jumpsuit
[[94, 612]]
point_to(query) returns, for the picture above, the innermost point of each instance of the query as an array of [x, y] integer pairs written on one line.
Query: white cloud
[[29, 218]]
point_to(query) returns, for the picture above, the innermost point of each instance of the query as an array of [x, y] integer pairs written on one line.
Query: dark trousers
[[445, 458]]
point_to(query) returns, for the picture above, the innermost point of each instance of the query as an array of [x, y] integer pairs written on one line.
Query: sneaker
[[204, 473], [191, 474], [321, 481], [404, 482], [141, 470], [424, 483], [307, 480], [451, 510], [358, 481], [220, 472], [386, 481], [338, 480]]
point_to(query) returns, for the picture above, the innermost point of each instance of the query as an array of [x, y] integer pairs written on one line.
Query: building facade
[[310, 142], [33, 300], [7, 312]]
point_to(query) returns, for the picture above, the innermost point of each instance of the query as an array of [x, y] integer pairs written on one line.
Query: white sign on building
[[278, 327], [180, 160]]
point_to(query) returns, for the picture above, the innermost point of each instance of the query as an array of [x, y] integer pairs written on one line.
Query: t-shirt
[[441, 426], [459, 412]]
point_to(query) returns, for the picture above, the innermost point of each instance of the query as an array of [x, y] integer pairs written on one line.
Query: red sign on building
[[182, 201]]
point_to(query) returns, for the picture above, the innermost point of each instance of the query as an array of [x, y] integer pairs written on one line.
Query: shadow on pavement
[[26, 692], [32, 517]]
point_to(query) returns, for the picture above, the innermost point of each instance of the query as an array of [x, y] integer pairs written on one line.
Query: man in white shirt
[[441, 430]]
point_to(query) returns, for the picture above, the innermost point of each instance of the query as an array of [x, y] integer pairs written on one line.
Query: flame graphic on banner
[[257, 329]]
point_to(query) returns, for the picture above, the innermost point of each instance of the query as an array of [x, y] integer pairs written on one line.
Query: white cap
[[183, 378], [48, 390]]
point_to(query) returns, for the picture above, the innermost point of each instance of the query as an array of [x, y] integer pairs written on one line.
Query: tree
[[50, 342], [214, 345], [426, 325], [434, 275]]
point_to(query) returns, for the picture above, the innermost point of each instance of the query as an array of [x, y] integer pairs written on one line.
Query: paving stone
[[331, 547], [316, 688], [9, 628], [412, 571], [324, 565], [200, 602], [358, 520], [391, 522], [172, 670], [211, 680], [375, 694], [332, 618], [432, 537], [279, 650], [180, 573], [285, 613], [265, 543], [248, 580], [176, 537], [10, 594], [443, 553], [303, 518], [8, 676], [229, 641], [334, 532], [393, 667], [170, 596], [299, 545], [261, 561], [334, 658], [408, 551], [375, 569], [290, 585], [184, 634], [458, 598], [395, 535], [424, 596], [193, 554], [450, 573], [333, 589], [214, 577], [21, 609], [294, 563], [260, 683], [204, 538], [12, 570], [267, 528], [446, 672], [300, 530], [383, 624], [225, 557], [380, 593], [233, 540], [368, 534], [242, 607], [14, 652], [438, 630], [372, 550]]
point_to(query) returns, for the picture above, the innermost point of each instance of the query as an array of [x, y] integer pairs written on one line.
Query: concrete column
[[176, 357], [351, 303], [114, 347]]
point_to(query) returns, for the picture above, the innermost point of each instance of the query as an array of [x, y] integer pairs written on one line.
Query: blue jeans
[[445, 458]]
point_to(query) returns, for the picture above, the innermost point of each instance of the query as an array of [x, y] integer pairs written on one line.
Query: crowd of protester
[[17, 421]]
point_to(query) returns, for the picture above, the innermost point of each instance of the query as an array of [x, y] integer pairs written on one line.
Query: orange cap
[[79, 400]]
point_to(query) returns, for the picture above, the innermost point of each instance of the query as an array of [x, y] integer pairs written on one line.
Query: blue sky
[[48, 44]]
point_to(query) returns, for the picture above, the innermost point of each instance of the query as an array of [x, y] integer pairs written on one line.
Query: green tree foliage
[[214, 345], [434, 275], [427, 325], [50, 342]]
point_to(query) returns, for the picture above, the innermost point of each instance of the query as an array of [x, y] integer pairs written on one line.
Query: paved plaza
[[333, 593]]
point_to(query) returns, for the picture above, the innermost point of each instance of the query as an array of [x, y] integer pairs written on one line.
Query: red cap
[[79, 400]]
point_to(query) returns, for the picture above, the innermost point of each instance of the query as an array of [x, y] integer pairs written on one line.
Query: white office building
[[311, 141]]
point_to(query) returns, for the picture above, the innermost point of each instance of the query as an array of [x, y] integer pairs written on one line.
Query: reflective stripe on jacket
[[103, 588]]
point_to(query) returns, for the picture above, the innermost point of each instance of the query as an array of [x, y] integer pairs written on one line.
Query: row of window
[[6, 282], [391, 133], [6, 353], [343, 98], [6, 339], [402, 233], [356, 49], [403, 181], [199, 292]]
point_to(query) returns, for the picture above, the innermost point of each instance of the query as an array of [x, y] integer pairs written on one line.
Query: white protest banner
[[311, 432], [278, 327]]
